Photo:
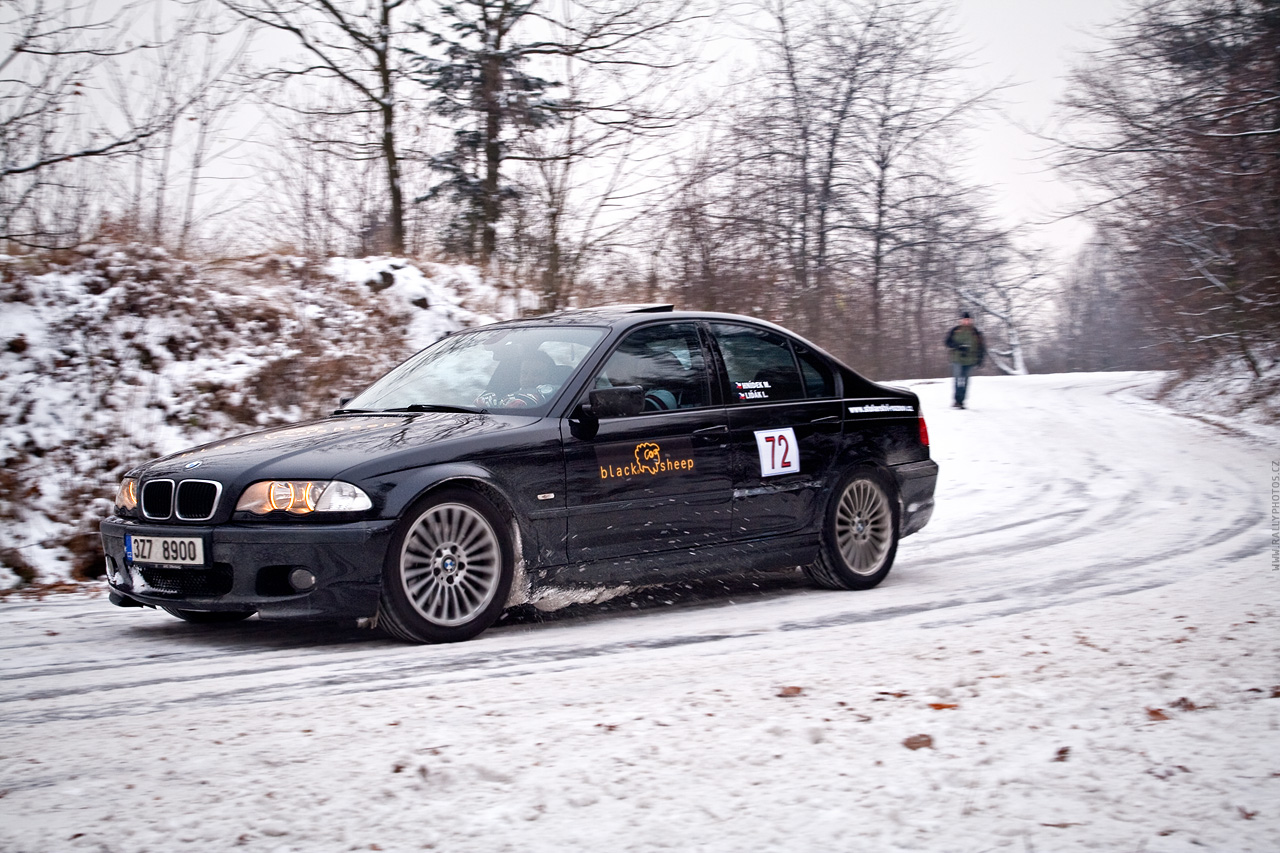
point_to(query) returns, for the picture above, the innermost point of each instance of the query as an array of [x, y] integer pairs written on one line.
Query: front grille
[[204, 583], [197, 499], [157, 499]]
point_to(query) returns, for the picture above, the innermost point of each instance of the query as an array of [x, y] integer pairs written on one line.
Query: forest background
[[184, 185]]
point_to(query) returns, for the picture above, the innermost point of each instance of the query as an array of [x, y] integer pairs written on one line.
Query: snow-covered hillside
[[129, 353], [1078, 653]]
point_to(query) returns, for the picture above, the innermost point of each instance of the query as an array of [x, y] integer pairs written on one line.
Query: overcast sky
[[1031, 44]]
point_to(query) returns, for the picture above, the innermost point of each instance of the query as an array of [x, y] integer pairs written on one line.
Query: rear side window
[[761, 366], [819, 381]]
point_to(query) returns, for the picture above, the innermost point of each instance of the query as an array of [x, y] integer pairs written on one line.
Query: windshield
[[493, 370]]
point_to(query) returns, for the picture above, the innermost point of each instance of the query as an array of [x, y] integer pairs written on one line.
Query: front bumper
[[247, 567]]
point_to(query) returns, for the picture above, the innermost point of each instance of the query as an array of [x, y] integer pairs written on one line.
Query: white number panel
[[779, 453]]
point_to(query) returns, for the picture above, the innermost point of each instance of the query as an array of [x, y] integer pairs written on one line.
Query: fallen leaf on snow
[[1156, 714], [943, 706], [1061, 825], [1062, 754], [918, 742], [1245, 813], [1167, 772], [790, 691], [1184, 704]]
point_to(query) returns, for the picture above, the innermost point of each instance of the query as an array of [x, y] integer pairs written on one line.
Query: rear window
[[760, 364]]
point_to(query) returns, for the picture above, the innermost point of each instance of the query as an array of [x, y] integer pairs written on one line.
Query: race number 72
[[779, 453]]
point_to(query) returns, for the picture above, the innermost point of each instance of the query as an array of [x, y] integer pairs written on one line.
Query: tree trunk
[[389, 153], [490, 204]]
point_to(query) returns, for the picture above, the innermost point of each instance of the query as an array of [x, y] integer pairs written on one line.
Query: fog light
[[113, 572], [301, 580]]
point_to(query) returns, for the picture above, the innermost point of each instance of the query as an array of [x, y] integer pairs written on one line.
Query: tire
[[448, 570], [859, 533], [210, 617]]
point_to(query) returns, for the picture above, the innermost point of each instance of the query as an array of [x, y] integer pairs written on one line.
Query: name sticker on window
[[779, 453]]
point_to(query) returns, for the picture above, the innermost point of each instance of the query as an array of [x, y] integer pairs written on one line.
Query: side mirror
[[625, 401]]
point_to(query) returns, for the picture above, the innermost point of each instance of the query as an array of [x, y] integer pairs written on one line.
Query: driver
[[537, 382]]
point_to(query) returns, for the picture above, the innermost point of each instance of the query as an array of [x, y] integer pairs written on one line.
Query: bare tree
[[550, 86], [191, 74], [1104, 317], [51, 116], [1176, 127], [358, 45], [837, 164], [914, 110]]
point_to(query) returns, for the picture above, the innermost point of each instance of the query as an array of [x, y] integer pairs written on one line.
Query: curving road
[[1054, 490]]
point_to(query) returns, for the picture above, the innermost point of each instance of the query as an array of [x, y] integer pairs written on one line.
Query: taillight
[[924, 432]]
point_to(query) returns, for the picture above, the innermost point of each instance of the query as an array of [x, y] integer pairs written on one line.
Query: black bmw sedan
[[592, 449]]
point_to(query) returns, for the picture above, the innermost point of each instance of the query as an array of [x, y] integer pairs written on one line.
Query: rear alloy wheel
[[448, 571], [210, 617], [859, 535]]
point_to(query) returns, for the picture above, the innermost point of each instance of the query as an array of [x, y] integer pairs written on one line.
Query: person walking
[[968, 350]]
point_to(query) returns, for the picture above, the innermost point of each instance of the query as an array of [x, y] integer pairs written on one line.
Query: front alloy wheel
[[448, 572]]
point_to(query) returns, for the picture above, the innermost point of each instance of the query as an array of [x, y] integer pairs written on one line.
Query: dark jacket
[[967, 346]]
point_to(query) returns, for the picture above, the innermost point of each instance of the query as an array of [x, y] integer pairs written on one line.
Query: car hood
[[325, 448]]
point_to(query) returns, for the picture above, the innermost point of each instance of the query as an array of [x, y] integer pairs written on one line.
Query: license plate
[[164, 550]]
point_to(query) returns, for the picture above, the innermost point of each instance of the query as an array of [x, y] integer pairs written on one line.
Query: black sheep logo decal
[[624, 461], [647, 457]]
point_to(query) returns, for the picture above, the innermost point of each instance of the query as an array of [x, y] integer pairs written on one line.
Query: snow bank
[[129, 353], [1230, 395]]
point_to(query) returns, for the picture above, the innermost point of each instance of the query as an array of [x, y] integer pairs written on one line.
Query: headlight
[[127, 494], [301, 497]]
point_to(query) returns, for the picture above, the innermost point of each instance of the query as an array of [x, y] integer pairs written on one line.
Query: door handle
[[829, 419], [711, 432]]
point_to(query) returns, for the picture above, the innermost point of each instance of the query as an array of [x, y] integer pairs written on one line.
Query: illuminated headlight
[[301, 497], [127, 494]]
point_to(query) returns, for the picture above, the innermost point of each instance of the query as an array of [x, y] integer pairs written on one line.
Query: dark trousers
[[960, 372]]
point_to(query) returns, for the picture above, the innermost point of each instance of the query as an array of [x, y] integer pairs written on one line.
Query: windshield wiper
[[437, 407], [352, 412]]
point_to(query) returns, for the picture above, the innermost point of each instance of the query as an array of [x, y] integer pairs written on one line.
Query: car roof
[[610, 314], [626, 315], [622, 317]]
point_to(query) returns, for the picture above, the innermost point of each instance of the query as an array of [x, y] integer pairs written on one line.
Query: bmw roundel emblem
[[195, 464]]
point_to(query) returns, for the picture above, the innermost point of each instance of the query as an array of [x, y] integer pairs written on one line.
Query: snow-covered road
[[1087, 631]]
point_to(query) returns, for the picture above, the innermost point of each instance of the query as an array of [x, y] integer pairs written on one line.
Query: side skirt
[[775, 553]]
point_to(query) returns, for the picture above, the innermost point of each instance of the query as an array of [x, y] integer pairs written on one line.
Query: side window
[[666, 361], [760, 364], [819, 381]]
